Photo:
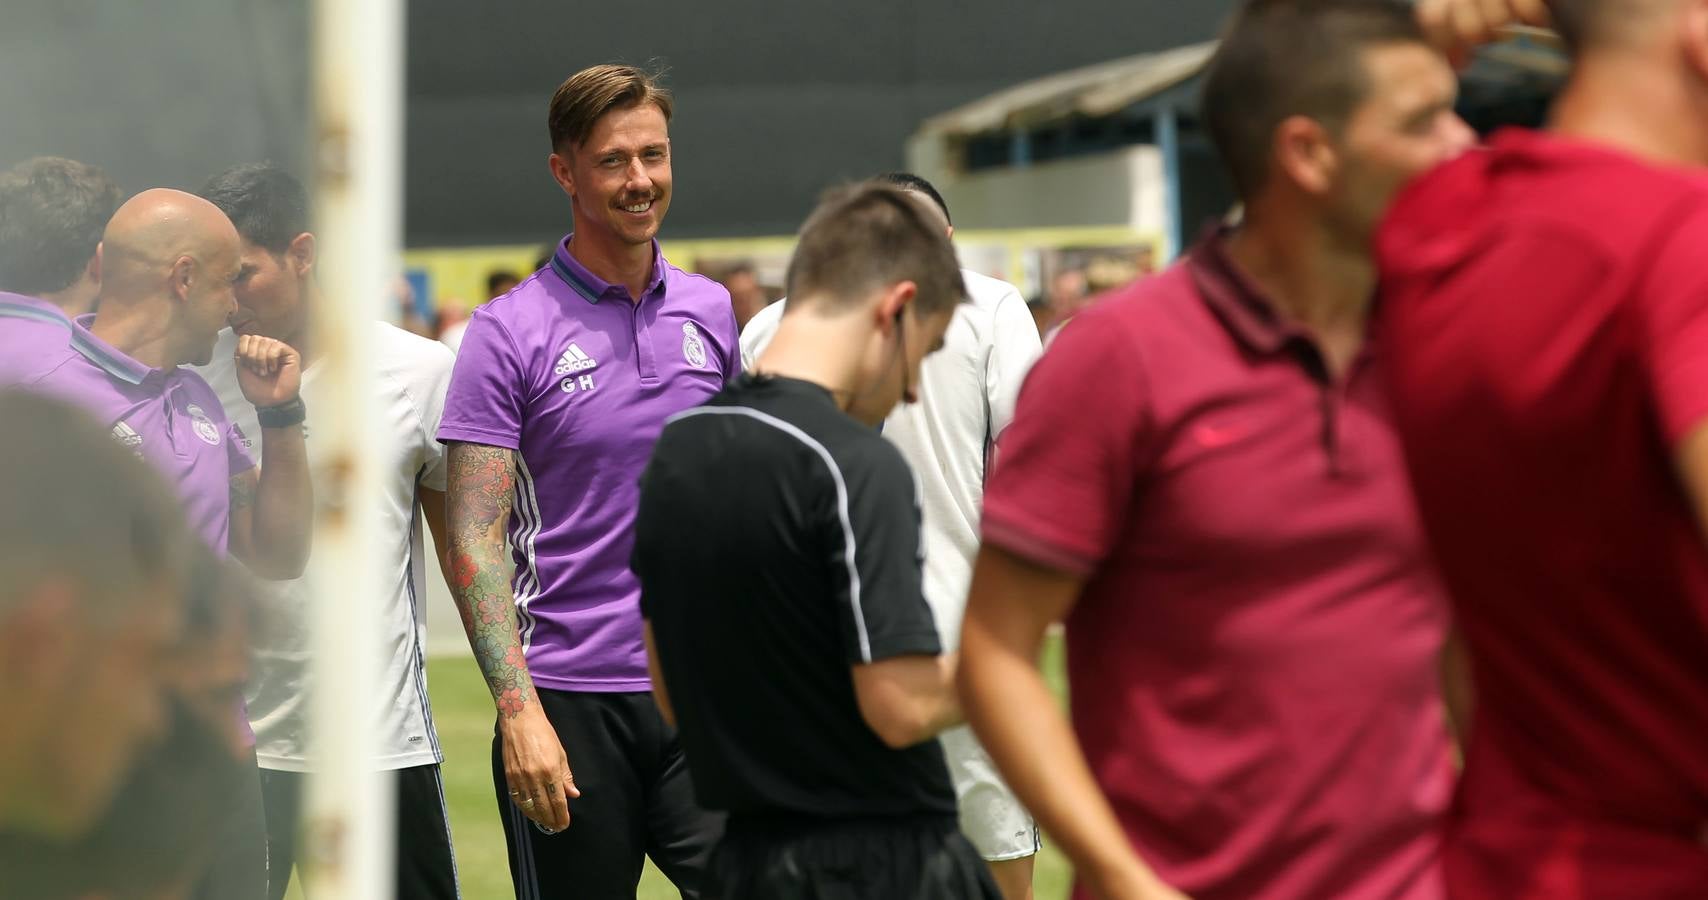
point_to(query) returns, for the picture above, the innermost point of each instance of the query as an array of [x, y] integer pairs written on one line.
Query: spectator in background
[[1039, 307], [52, 212], [500, 282], [746, 295], [409, 316], [1068, 294], [1144, 261], [453, 324], [94, 556], [1254, 625]]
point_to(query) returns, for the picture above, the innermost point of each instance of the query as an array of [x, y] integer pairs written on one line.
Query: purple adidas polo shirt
[[578, 379], [34, 334], [169, 417]]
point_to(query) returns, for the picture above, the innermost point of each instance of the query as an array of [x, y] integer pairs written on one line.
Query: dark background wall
[[774, 100]]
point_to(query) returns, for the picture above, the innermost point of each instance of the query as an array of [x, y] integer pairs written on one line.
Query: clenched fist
[[269, 372]]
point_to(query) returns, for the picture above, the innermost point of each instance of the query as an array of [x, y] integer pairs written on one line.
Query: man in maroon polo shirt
[[1202, 480], [1545, 322]]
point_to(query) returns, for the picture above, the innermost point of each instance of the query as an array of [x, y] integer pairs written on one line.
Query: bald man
[[1545, 328], [170, 262]]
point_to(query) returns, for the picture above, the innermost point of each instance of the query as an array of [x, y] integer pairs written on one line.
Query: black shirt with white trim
[[778, 545]]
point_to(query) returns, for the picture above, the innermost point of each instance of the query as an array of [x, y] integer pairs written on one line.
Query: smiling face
[[619, 178]]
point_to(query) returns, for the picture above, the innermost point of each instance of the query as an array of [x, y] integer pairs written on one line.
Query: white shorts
[[991, 816]]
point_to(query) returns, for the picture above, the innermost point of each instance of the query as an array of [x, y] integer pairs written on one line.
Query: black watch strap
[[282, 416]]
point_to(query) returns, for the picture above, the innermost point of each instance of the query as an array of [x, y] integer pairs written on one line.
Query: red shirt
[[1545, 310], [1253, 657]]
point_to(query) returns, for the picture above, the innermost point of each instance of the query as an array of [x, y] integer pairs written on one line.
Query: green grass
[[463, 711]]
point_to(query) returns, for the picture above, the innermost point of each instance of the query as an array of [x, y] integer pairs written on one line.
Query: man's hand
[[269, 372], [1460, 26], [536, 769]]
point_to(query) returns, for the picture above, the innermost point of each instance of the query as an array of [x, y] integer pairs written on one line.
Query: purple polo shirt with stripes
[[33, 335], [578, 379], [169, 417]]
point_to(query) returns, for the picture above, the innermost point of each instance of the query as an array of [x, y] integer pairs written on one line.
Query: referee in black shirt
[[778, 549]]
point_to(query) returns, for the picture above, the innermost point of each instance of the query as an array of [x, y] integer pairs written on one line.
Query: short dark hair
[[52, 213], [908, 181], [498, 277], [589, 94], [268, 206], [1284, 58], [868, 236]]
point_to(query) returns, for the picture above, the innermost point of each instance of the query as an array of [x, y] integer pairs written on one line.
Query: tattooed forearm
[[243, 491], [480, 490]]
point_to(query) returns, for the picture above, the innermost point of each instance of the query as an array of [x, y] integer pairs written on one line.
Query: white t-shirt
[[967, 392], [413, 374]]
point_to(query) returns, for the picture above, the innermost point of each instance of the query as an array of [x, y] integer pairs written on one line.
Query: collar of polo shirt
[[1242, 306], [591, 287], [104, 355]]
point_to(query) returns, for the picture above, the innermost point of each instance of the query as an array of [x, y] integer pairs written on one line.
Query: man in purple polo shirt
[[52, 212], [1203, 479], [560, 390], [170, 263]]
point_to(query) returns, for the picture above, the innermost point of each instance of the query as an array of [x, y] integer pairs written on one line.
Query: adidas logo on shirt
[[573, 360]]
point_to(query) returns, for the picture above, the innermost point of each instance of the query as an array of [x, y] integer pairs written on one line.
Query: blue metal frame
[[1168, 142]]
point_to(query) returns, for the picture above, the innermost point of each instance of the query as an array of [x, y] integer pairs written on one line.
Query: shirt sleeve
[[436, 364], [1066, 467], [1674, 311], [729, 342], [758, 333], [1015, 346], [879, 547], [237, 454], [488, 388]]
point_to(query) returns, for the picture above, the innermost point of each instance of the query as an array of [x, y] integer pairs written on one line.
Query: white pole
[[357, 161]]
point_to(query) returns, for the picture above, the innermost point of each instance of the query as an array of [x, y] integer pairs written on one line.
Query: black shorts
[[891, 859], [636, 802], [426, 867]]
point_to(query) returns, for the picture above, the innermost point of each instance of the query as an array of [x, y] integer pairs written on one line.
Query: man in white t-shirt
[[276, 294], [966, 397]]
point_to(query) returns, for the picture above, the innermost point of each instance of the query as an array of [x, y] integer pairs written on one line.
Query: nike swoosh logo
[[1214, 436]]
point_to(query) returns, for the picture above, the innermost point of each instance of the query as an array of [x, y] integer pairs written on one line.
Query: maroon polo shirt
[[1253, 657], [1545, 316]]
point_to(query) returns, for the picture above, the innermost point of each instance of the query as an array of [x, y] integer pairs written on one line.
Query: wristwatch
[[286, 414]]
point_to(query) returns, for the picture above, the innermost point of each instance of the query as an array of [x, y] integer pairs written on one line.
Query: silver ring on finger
[[527, 803]]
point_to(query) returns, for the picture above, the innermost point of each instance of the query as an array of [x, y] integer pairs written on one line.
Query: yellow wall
[[458, 274]]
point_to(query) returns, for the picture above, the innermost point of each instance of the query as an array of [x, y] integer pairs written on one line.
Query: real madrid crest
[[693, 349], [203, 426]]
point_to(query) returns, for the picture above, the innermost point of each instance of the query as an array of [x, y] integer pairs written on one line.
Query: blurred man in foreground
[[93, 570], [1201, 479], [1545, 322]]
